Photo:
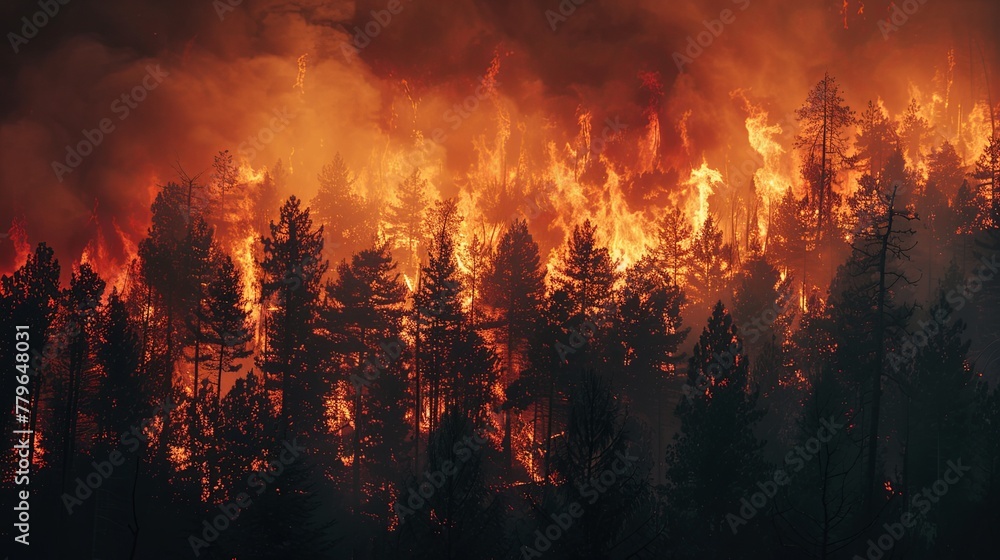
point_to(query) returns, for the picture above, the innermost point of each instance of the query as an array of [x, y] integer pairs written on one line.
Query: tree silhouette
[[366, 313], [672, 252], [406, 217], [514, 286], [707, 274], [715, 460], [81, 302], [873, 276], [823, 120], [341, 210], [587, 276], [292, 271]]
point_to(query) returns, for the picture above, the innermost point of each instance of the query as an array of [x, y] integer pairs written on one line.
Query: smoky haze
[[228, 77]]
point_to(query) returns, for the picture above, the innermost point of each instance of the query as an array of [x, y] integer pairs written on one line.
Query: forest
[[354, 377]]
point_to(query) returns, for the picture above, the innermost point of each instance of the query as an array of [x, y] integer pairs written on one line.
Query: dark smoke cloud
[[228, 76]]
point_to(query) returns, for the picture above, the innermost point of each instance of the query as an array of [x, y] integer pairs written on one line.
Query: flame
[[340, 417], [300, 77], [117, 274], [968, 129], [626, 232], [702, 181], [682, 130], [18, 234], [112, 268], [243, 258], [649, 147], [845, 10], [248, 175], [775, 172]]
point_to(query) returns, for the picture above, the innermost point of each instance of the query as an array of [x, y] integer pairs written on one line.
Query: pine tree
[[945, 169], [123, 399], [286, 518], [247, 424], [454, 521], [364, 316], [30, 297], [823, 120], [439, 317], [649, 330], [340, 209], [266, 198], [967, 205], [81, 303], [225, 321], [196, 472], [940, 391], [707, 273], [476, 255], [226, 182], [543, 385], [877, 139], [715, 460], [600, 440], [672, 252], [201, 256], [868, 314], [173, 263], [406, 217], [818, 511], [764, 308], [224, 330], [987, 180], [587, 275], [513, 286], [292, 271], [789, 235], [914, 134], [123, 395]]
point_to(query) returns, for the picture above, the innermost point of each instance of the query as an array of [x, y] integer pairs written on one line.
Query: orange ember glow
[[18, 234]]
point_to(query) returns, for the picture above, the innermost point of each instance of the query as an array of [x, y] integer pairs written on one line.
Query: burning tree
[[824, 120], [292, 271]]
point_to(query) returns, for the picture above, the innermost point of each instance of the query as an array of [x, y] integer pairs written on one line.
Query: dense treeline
[[363, 380]]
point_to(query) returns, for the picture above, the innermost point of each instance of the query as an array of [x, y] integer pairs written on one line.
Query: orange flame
[[18, 234], [702, 182]]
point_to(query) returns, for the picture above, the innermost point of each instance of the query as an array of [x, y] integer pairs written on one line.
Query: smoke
[[229, 74]]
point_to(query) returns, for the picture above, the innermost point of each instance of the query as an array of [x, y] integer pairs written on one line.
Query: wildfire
[[113, 269], [967, 128], [18, 235], [117, 273], [649, 149], [250, 176], [774, 174], [702, 182], [300, 77], [243, 258]]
